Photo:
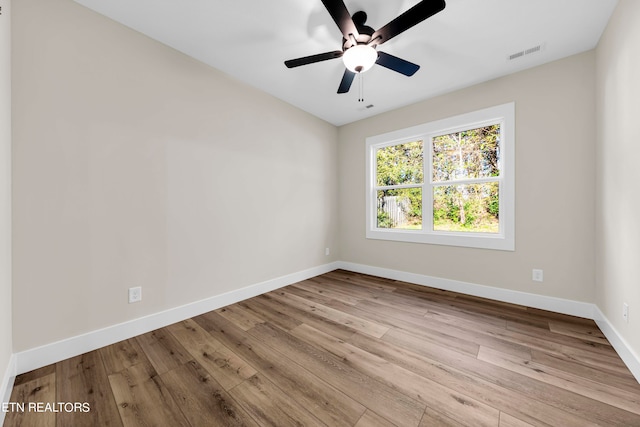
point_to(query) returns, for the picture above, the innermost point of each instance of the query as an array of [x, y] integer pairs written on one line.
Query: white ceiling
[[465, 44]]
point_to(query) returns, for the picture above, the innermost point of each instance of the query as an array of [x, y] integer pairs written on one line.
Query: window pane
[[400, 209], [399, 164], [473, 153], [468, 208]]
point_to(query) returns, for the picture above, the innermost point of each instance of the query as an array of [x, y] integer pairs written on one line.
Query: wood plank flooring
[[345, 349]]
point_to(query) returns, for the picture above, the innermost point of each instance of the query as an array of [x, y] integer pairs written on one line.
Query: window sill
[[472, 240]]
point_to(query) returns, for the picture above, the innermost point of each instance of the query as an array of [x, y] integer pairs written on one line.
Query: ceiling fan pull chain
[[361, 87]]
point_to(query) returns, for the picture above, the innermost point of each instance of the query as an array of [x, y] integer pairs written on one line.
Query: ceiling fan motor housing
[[365, 32]]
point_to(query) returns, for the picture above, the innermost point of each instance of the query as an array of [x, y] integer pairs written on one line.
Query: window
[[449, 182]]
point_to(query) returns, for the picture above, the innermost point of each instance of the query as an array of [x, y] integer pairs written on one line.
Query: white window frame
[[503, 240]]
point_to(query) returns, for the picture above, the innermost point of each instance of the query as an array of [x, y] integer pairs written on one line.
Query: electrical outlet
[[135, 294], [327, 251], [537, 275], [625, 312]]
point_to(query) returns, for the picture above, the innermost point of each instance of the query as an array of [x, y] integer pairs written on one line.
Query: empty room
[[319, 213]]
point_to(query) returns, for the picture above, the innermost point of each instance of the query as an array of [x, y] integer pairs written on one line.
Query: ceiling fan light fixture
[[359, 58]]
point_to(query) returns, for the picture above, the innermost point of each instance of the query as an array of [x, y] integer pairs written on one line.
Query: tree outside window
[[466, 193]]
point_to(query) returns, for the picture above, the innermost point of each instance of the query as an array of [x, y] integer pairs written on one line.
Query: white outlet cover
[[135, 294], [537, 275]]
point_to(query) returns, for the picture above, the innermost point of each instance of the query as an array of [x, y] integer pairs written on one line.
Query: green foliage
[[400, 164], [384, 220], [493, 206], [465, 155], [473, 153], [469, 154], [471, 207]]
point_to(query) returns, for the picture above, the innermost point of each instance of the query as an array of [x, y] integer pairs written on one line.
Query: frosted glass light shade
[[359, 58]]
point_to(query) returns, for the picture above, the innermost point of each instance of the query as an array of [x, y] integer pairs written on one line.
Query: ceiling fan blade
[[397, 64], [347, 79], [291, 63], [342, 17], [408, 19]]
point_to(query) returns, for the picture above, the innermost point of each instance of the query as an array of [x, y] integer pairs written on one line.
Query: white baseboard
[[557, 305], [50, 353], [626, 353], [7, 384]]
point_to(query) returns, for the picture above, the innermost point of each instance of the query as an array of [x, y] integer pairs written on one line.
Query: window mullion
[[396, 187], [468, 181], [427, 188]]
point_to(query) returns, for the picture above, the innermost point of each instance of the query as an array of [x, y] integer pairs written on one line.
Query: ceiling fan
[[359, 41]]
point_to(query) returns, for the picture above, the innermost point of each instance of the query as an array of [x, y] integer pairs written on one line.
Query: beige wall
[[618, 151], [135, 165], [5, 189], [555, 140]]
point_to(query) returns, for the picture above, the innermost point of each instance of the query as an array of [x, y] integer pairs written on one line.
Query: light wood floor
[[345, 349]]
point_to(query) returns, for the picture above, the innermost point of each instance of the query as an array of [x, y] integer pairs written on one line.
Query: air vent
[[369, 106], [526, 52]]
